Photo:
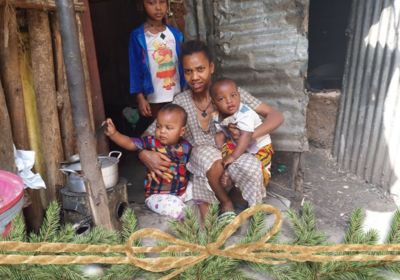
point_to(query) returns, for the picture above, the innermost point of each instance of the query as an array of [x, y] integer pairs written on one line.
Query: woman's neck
[[201, 96]]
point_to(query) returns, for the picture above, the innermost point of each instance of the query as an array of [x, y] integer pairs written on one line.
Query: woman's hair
[[195, 46], [171, 108]]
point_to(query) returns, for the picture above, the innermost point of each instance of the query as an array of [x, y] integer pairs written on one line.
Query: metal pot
[[109, 168], [109, 171], [75, 181]]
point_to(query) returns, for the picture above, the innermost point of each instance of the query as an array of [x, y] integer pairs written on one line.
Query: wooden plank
[[12, 85], [44, 81], [7, 161], [97, 96], [68, 135], [34, 213], [46, 5]]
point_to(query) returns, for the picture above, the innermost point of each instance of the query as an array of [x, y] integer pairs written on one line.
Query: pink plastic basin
[[11, 192]]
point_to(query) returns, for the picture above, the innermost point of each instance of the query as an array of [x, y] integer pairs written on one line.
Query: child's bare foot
[[226, 181]]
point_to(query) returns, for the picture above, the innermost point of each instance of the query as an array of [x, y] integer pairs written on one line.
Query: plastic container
[[11, 199]]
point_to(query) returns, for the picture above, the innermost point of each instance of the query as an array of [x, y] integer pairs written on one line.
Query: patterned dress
[[246, 171]]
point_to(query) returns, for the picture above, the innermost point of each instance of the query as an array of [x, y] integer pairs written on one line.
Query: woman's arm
[[272, 120]]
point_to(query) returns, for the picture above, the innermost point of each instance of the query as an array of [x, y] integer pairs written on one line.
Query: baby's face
[[169, 127], [226, 98]]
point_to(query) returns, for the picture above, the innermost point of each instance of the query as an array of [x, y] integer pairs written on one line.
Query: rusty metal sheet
[[262, 45], [367, 139]]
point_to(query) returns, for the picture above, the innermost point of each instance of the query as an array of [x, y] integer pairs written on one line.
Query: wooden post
[[85, 71], [7, 161], [35, 211], [68, 134], [44, 81], [97, 96], [85, 137], [12, 85]]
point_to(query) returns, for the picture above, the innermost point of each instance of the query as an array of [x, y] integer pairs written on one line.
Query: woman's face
[[197, 70], [155, 9]]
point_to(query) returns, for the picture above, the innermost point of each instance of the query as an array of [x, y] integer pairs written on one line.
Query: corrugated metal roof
[[263, 45], [367, 140]]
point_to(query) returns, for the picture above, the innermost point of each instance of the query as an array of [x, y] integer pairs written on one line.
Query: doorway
[[328, 21]]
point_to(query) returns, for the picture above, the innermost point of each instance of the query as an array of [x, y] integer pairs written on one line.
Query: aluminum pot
[[109, 171], [109, 168], [75, 181]]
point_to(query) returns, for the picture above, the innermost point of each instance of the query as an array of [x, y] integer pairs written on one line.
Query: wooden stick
[[12, 85], [7, 161], [39, 4], [97, 97], [85, 71], [68, 135], [85, 137], [43, 74], [35, 211]]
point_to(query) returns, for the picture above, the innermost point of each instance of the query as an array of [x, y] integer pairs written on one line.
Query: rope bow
[[191, 254]]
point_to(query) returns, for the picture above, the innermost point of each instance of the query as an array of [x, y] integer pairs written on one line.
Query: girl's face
[[155, 9]]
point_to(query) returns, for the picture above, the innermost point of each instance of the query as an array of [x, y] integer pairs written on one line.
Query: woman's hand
[[158, 164], [234, 131], [226, 161], [144, 106]]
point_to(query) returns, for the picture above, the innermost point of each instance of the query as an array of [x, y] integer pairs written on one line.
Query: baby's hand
[[226, 161], [109, 127]]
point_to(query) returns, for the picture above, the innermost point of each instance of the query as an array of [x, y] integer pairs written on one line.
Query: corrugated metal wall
[[367, 140], [262, 45]]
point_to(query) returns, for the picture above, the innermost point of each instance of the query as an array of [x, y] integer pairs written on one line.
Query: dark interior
[[327, 43], [113, 20]]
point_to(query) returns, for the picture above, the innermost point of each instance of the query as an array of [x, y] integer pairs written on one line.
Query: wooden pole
[[7, 161], [85, 138], [85, 71], [97, 96], [12, 85], [34, 212], [68, 134], [44, 81]]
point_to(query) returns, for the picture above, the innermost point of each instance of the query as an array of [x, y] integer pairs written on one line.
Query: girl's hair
[[195, 46]]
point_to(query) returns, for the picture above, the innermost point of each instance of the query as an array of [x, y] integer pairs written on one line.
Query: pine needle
[[50, 226]]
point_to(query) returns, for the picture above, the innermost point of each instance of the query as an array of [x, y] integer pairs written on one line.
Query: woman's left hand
[[234, 131]]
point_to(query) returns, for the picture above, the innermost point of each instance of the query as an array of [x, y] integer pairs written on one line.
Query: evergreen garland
[[303, 225], [52, 231], [306, 233]]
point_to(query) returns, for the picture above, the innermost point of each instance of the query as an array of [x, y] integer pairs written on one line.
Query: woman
[[205, 160]]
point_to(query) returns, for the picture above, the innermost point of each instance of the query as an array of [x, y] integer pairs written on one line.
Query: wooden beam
[[10, 74], [97, 96], [44, 82], [85, 138], [47, 5], [68, 134], [7, 161]]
